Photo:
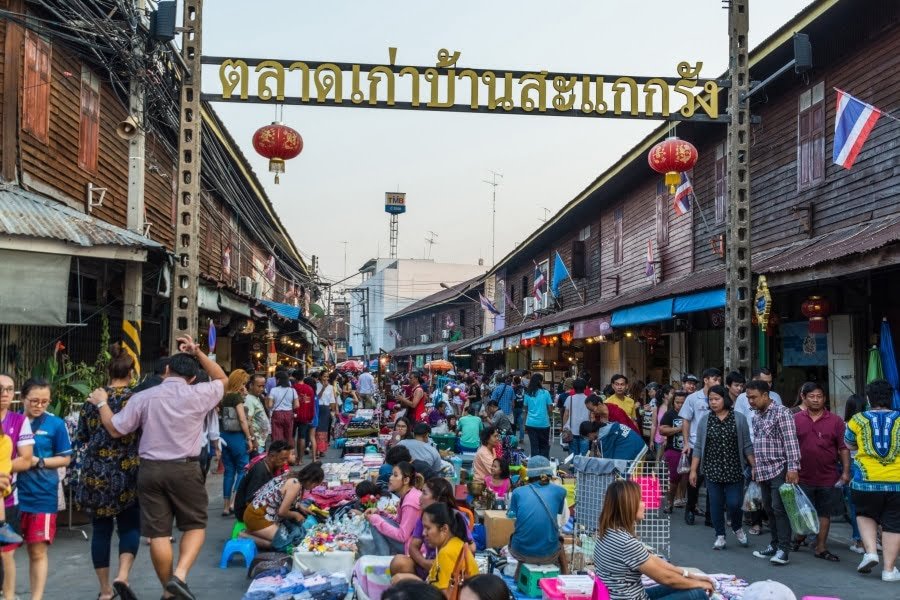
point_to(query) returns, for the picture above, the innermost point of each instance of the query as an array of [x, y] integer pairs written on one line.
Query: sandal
[[826, 555], [755, 530], [123, 591]]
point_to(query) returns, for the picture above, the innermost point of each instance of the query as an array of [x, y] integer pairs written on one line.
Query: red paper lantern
[[672, 156], [651, 334], [278, 143], [566, 336], [816, 309]]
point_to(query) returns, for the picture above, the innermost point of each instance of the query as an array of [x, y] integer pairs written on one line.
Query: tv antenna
[[429, 242]]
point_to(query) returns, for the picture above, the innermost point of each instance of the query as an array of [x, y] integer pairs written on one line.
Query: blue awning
[[700, 301], [651, 312], [288, 311]]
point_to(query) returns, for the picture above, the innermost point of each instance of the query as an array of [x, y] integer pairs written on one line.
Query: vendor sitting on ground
[[392, 535], [445, 530], [536, 508], [497, 418], [422, 449], [279, 501], [469, 428], [421, 555], [484, 458], [261, 473], [620, 558]]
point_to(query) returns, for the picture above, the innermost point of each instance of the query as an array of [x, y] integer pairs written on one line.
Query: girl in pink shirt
[[390, 534], [498, 480]]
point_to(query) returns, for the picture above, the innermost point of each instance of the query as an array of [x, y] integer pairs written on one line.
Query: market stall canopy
[[33, 223], [356, 366]]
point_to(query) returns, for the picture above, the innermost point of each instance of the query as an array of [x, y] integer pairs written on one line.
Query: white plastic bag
[[753, 499], [684, 464]]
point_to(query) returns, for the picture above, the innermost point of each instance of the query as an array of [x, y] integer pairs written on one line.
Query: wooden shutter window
[[811, 137], [36, 91], [89, 131], [578, 259], [618, 238]]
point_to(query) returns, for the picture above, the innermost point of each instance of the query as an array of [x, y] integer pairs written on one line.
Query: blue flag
[[560, 273]]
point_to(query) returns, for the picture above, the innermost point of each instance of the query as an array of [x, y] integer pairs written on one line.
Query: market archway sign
[[448, 87]]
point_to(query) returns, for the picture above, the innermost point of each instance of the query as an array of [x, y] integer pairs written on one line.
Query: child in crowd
[[498, 480]]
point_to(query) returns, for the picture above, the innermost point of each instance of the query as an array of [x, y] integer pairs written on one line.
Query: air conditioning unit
[[424, 338], [529, 305], [255, 289], [445, 334], [244, 285]]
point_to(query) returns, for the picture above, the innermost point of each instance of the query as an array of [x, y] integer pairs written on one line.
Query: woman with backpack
[[234, 430]]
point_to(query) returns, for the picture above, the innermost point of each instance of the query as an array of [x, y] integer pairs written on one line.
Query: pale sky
[[334, 191]]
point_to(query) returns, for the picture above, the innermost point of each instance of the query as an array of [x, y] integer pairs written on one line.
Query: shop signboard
[[801, 348], [592, 328], [395, 203]]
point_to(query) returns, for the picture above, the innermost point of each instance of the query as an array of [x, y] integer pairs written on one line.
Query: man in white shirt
[[366, 389], [574, 414], [742, 405], [695, 406]]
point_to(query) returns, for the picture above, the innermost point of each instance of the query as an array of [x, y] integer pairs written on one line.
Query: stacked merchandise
[[362, 424], [283, 583], [358, 446], [728, 587]]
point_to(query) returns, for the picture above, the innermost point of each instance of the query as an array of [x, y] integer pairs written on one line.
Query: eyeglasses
[[7, 390], [38, 402]]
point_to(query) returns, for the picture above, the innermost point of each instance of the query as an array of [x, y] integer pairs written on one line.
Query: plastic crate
[[444, 441], [550, 591], [530, 576]]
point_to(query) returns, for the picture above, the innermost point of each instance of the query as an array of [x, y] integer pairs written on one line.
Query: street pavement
[[72, 577]]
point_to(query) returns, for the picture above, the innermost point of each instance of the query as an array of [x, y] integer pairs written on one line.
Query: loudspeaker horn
[[128, 128]]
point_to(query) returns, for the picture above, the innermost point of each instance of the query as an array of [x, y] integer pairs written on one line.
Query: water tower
[[394, 205]]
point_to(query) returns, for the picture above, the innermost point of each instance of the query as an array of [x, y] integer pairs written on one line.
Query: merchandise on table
[[284, 583]]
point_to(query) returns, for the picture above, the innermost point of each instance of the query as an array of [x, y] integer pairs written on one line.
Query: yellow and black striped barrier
[[131, 339]]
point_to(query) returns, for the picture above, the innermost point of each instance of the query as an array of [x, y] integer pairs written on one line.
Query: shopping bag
[[684, 464], [800, 511], [753, 499]]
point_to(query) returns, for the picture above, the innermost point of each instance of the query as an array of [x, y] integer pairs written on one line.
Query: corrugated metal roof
[[430, 348], [26, 214], [446, 295], [855, 239]]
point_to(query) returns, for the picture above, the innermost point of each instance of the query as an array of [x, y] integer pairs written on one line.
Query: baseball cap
[[689, 377]]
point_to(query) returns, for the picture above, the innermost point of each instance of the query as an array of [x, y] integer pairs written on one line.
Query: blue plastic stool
[[243, 546]]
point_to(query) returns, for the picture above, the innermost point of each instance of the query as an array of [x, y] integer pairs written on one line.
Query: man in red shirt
[[605, 412], [415, 401], [821, 437], [305, 415]]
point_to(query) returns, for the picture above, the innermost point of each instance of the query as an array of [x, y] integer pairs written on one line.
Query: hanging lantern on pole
[[672, 156], [816, 309], [650, 333], [278, 143]]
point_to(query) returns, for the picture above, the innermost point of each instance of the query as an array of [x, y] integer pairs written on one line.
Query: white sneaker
[[741, 537], [720, 543], [890, 575], [857, 547], [868, 561]]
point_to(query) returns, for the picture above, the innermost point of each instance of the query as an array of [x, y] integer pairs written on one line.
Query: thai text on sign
[[450, 87]]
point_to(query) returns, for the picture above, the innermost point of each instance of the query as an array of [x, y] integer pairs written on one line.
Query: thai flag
[[650, 269], [487, 305], [852, 125], [539, 282], [683, 194]]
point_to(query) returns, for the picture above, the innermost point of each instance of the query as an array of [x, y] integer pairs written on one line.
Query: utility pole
[[186, 275], [738, 276], [134, 270], [493, 183]]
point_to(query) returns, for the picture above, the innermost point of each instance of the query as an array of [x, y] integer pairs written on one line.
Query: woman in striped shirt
[[620, 558]]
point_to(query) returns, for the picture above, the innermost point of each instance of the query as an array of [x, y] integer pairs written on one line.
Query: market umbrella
[[874, 371], [889, 360], [439, 365], [350, 365]]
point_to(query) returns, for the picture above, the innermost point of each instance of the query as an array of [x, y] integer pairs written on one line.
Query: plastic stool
[[243, 546], [237, 529]]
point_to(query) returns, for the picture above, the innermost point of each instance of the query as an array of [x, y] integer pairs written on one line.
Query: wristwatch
[[40, 463]]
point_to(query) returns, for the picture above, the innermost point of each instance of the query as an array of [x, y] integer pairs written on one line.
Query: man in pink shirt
[[170, 482]]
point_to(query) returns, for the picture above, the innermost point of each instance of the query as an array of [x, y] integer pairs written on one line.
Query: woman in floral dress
[[108, 481]]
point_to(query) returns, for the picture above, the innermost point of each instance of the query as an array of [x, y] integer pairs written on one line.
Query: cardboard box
[[498, 528]]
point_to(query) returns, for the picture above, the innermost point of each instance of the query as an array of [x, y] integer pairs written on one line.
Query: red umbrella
[[439, 365], [350, 365]]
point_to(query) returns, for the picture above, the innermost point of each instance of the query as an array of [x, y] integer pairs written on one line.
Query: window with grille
[[89, 132], [36, 90], [811, 137], [618, 237], [721, 183]]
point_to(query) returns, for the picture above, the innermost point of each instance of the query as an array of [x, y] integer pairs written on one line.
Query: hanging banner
[[450, 87]]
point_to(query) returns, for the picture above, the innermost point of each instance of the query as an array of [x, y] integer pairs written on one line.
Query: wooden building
[[64, 207], [817, 229]]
